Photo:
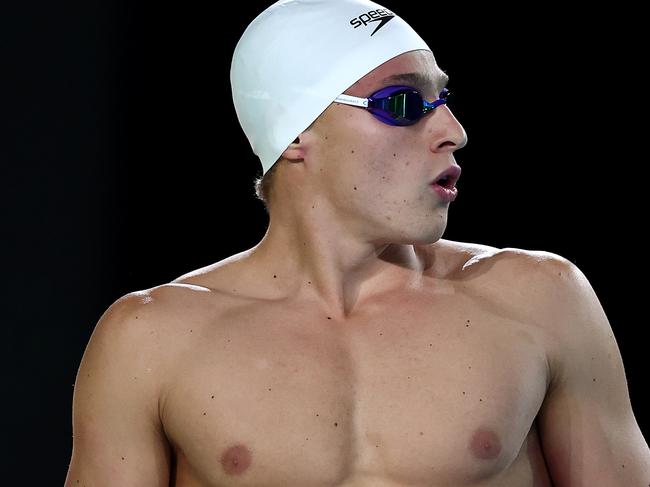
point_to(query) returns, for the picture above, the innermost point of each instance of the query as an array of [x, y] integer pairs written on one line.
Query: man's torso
[[438, 386]]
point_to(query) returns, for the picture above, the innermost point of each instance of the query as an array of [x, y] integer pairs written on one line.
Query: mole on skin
[[236, 460], [485, 444]]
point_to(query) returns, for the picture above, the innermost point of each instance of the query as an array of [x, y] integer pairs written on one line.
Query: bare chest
[[410, 393]]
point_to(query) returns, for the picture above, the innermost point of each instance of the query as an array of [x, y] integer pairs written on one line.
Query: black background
[[123, 167]]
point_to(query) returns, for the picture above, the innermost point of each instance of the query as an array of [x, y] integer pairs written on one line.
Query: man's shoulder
[[515, 268], [471, 253], [151, 324], [138, 315], [534, 286], [215, 277], [167, 306]]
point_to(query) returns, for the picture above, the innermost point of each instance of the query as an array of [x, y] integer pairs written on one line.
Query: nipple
[[236, 460], [485, 444]]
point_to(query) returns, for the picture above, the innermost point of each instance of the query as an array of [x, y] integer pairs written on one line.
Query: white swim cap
[[297, 56]]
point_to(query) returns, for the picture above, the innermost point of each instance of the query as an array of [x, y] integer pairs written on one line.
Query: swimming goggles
[[396, 105]]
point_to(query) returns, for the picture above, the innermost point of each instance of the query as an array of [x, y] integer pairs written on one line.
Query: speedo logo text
[[381, 15]]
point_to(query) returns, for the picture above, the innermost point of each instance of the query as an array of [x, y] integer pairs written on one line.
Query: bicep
[[588, 430], [117, 435]]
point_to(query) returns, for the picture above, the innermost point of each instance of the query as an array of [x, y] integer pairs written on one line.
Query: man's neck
[[333, 268]]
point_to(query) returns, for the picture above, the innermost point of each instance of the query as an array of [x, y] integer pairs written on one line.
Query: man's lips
[[448, 177], [445, 183]]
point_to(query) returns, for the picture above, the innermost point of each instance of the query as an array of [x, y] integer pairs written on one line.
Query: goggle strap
[[353, 100]]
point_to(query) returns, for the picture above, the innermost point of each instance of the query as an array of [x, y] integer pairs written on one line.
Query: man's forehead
[[418, 79], [416, 68]]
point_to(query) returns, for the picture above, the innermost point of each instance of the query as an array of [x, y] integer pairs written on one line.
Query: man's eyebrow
[[418, 80]]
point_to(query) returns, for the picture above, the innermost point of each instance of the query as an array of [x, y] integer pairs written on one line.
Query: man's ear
[[295, 151]]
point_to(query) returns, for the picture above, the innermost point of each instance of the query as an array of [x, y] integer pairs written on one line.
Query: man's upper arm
[[117, 435], [587, 427]]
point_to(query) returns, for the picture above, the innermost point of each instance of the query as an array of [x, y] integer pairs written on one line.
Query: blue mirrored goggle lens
[[402, 105]]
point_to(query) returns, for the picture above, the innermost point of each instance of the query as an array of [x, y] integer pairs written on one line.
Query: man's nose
[[446, 132]]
